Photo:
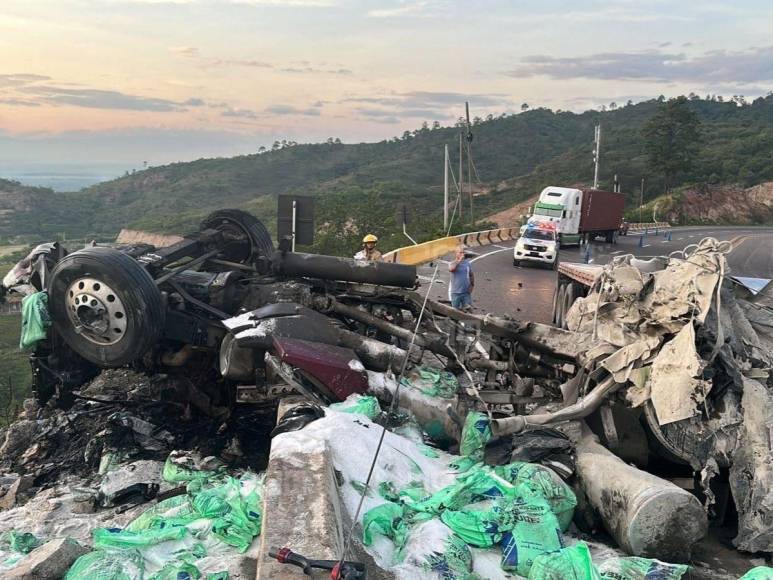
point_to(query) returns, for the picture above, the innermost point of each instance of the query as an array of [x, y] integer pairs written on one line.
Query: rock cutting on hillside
[[463, 446]]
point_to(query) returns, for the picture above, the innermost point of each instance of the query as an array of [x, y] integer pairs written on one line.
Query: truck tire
[[570, 296], [516, 263], [559, 309], [555, 304], [247, 237], [105, 306]]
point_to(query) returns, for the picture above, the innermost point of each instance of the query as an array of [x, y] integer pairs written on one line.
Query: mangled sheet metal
[[675, 388]]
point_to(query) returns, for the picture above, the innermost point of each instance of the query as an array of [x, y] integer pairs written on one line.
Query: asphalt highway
[[526, 292]]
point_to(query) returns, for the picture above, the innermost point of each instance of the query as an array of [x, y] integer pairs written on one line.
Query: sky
[[123, 82]]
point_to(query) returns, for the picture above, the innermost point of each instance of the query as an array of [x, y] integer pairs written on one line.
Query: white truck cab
[[561, 207], [538, 243]]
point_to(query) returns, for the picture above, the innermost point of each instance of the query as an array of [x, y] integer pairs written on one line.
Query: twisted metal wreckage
[[667, 361]]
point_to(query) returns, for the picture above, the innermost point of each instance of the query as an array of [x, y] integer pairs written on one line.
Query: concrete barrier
[[301, 507], [434, 249]]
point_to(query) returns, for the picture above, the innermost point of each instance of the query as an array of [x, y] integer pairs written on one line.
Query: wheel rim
[[96, 311]]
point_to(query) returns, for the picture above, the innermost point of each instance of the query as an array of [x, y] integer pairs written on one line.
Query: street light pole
[[445, 191], [596, 157]]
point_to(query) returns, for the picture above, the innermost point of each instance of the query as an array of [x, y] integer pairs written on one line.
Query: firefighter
[[369, 253]]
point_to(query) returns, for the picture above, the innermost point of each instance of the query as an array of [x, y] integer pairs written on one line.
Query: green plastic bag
[[176, 510], [180, 468], [177, 571], [217, 576], [484, 528], [634, 568], [387, 519], [361, 404], [477, 484], [35, 320], [453, 561], [476, 433], [107, 538], [572, 563], [431, 381], [237, 516], [21, 542], [535, 532], [107, 565], [544, 482], [758, 573]]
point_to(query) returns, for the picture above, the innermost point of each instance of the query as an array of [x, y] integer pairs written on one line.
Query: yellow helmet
[[369, 238]]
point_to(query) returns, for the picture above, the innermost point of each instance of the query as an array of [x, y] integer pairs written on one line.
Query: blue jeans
[[459, 301]]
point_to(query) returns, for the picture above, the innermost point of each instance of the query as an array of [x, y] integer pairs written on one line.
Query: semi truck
[[580, 214]]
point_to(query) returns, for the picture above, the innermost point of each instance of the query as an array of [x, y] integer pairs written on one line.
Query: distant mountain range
[[361, 186]]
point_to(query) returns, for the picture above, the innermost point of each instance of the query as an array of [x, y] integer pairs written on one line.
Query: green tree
[[671, 139]]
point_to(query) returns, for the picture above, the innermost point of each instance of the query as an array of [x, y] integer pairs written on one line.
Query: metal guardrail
[[434, 249], [648, 226]]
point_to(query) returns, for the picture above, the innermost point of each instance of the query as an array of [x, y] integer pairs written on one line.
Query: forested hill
[[359, 186]]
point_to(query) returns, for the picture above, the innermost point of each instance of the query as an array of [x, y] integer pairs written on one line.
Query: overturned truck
[[662, 366]]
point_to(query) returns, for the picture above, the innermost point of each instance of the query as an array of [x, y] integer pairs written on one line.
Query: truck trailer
[[580, 214]]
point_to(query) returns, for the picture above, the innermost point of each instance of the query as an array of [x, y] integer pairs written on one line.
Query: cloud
[[20, 79], [717, 66], [276, 3], [240, 113], [19, 102], [290, 110], [313, 70], [194, 102], [99, 99], [427, 100], [403, 8], [190, 51], [247, 63], [291, 3], [425, 105]]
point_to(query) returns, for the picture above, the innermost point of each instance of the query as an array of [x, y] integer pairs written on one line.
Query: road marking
[[489, 253], [616, 252], [503, 247], [646, 246], [681, 238]]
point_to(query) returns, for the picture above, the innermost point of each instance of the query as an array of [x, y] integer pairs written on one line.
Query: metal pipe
[[437, 346], [374, 354], [187, 266], [292, 264], [535, 336], [432, 413], [648, 516], [580, 410]]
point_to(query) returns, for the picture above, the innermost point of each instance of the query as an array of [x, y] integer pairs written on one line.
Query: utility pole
[[596, 151], [616, 188], [641, 200], [469, 163], [461, 180], [445, 191]]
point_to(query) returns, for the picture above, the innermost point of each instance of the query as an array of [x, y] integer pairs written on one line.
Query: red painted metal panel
[[336, 367]]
